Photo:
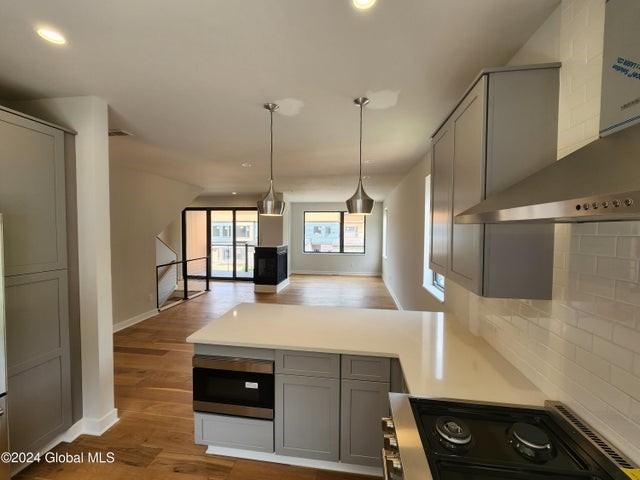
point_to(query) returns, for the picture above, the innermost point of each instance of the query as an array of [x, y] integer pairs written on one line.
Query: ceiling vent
[[119, 133]]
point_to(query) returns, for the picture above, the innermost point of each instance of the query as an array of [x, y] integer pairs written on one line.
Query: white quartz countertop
[[439, 357]]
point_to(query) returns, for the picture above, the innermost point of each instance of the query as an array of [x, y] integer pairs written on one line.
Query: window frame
[[435, 281], [429, 277], [341, 252], [385, 233]]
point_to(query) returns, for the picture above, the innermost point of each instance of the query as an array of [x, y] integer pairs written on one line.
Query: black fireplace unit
[[270, 265]]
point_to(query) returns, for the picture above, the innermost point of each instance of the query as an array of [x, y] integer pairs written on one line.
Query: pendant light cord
[[360, 143], [271, 151]]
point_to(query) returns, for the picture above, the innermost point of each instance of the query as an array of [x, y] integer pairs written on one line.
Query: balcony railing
[[186, 294]]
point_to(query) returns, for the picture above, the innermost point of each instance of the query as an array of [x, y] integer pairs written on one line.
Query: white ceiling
[[189, 78]]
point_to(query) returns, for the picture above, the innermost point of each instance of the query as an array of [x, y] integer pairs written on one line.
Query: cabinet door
[[37, 359], [307, 417], [32, 196], [363, 404], [441, 175], [469, 140]]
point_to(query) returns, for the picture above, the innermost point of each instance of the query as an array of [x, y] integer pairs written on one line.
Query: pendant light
[[360, 202], [270, 205]]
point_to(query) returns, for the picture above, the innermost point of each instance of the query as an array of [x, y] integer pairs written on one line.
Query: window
[[385, 226], [432, 281], [334, 232], [438, 281]]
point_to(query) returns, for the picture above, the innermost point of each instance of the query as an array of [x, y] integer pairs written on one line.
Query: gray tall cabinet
[[504, 129], [33, 201]]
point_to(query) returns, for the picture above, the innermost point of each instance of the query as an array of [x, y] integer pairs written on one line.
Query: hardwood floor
[[154, 437]]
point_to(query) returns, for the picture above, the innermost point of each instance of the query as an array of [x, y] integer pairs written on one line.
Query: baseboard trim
[[129, 322], [84, 426], [258, 288], [342, 274], [297, 461], [97, 426], [393, 296]]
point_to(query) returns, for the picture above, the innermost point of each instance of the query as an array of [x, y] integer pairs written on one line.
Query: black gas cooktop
[[494, 442]]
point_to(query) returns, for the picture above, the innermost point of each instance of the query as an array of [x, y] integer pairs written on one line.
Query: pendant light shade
[[360, 202], [270, 204]]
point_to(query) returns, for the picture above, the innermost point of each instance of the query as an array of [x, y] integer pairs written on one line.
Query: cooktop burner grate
[[487, 442]]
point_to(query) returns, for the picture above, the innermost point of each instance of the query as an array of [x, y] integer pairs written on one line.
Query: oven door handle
[[233, 364]]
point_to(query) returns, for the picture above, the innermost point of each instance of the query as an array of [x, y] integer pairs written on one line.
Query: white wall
[[142, 205], [335, 263], [402, 270], [583, 347]]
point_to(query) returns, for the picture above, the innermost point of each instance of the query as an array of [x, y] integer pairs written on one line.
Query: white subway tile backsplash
[[583, 347], [617, 268], [626, 382], [582, 263], [616, 311], [635, 411], [597, 326], [576, 336], [610, 394], [596, 365], [627, 338], [597, 245], [613, 353], [628, 292], [628, 247], [595, 285], [584, 228], [618, 228]]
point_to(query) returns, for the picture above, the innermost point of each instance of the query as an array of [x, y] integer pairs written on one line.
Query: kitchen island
[[333, 357]]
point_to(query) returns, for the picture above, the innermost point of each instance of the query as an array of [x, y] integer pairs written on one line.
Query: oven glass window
[[234, 388]]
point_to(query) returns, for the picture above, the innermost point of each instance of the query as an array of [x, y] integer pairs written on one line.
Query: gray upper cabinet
[[503, 129], [468, 129], [441, 176], [307, 417], [32, 195]]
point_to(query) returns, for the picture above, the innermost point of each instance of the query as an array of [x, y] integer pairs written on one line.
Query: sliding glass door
[[245, 242], [221, 244], [232, 238]]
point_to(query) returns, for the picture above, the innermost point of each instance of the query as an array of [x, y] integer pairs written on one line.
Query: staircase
[[168, 276]]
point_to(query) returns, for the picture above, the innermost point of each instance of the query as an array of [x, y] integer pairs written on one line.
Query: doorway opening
[[226, 237]]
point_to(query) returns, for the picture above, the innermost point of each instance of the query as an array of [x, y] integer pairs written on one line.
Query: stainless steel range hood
[[598, 183]]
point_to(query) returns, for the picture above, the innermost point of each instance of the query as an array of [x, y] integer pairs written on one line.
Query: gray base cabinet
[[363, 404], [234, 432], [307, 420]]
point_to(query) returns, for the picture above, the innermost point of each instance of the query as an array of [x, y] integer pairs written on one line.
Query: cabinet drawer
[[309, 364], [373, 369], [233, 432]]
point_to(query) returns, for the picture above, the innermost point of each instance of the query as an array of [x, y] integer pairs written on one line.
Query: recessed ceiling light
[[234, 193], [246, 164], [51, 35], [363, 4]]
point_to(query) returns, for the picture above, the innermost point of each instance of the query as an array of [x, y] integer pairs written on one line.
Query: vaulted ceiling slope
[[188, 79]]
